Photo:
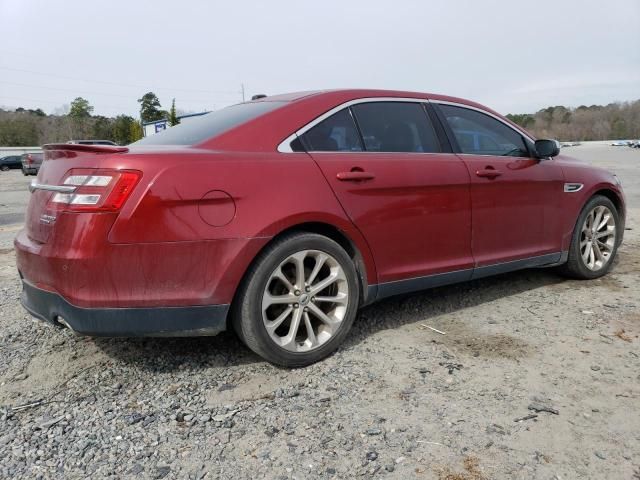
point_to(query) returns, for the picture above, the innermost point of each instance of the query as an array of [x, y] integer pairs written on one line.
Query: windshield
[[195, 130]]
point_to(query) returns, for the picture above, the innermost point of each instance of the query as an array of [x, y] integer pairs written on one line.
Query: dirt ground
[[537, 377]]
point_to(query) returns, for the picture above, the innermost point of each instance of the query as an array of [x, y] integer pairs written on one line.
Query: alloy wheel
[[305, 301], [597, 238]]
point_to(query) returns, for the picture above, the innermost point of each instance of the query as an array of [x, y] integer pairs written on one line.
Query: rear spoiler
[[67, 150], [76, 147]]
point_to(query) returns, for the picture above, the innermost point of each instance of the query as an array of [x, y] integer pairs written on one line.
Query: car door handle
[[355, 176], [488, 172]]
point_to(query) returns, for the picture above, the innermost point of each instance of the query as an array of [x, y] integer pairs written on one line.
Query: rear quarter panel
[[262, 193]]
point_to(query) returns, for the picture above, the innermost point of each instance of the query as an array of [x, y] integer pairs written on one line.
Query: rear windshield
[[195, 130]]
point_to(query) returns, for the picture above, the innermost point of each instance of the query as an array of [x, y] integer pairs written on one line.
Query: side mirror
[[547, 148]]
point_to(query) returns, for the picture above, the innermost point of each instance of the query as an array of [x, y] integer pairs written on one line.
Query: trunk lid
[[58, 160]]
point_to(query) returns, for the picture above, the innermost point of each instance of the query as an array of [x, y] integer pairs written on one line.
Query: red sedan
[[280, 217]]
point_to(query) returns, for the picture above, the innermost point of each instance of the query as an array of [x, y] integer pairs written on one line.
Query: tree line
[[30, 127], [616, 121]]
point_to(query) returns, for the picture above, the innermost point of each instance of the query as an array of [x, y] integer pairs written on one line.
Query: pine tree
[[150, 108], [122, 129], [79, 115], [80, 108], [173, 116], [135, 131]]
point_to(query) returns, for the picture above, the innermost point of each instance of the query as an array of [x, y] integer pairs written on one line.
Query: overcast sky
[[513, 56]]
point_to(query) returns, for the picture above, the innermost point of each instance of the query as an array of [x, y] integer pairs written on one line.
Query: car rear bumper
[[91, 273], [201, 320]]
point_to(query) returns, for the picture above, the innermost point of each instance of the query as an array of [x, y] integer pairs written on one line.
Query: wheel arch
[[618, 202], [342, 238], [573, 267], [613, 196], [574, 204], [599, 190]]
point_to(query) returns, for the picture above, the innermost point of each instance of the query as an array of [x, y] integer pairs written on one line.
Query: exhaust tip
[[60, 320]]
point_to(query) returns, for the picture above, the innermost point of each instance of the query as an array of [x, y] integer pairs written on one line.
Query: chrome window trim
[[462, 105], [492, 156], [285, 145], [333, 152]]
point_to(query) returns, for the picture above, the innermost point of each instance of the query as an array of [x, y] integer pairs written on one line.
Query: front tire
[[595, 240], [298, 300]]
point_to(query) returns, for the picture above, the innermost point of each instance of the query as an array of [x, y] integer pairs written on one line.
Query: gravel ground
[[536, 377]]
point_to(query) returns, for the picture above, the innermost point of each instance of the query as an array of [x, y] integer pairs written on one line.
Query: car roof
[[341, 94], [288, 97], [299, 108]]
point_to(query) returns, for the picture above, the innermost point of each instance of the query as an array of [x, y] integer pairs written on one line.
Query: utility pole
[[242, 90]]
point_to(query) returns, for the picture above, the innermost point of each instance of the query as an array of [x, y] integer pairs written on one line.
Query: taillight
[[95, 190], [29, 160]]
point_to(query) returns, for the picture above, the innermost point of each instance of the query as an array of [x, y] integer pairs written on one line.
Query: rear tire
[[298, 300], [595, 240], [4, 168], [24, 172]]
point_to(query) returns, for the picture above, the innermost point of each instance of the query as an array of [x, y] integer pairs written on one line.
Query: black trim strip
[[447, 129], [399, 287], [445, 144], [564, 257], [355, 122], [551, 258], [370, 295], [124, 322], [390, 289]]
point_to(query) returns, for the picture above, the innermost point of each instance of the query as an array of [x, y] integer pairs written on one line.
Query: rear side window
[[396, 127], [199, 129], [338, 133], [481, 134]]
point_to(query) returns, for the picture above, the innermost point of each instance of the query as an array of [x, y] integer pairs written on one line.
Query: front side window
[[396, 127], [338, 133], [480, 134]]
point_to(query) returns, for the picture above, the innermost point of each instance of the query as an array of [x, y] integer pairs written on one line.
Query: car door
[[384, 161], [515, 197]]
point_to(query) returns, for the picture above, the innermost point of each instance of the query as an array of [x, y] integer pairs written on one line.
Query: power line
[[64, 77], [64, 89], [190, 100], [61, 103]]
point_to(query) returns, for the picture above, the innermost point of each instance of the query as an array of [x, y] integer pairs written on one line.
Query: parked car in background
[[298, 209], [635, 144], [91, 142], [9, 162], [620, 143], [31, 163]]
